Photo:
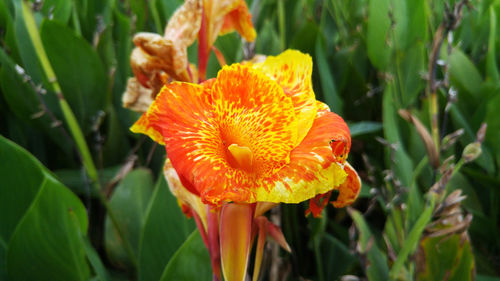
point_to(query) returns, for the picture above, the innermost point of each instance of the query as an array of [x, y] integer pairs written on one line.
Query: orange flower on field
[[254, 134]]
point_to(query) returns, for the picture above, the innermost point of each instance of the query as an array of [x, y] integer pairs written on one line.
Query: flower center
[[242, 155]]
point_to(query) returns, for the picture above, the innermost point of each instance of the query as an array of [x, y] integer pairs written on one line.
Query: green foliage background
[[371, 59]]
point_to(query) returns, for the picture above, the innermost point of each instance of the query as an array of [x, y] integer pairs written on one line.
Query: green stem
[[413, 238], [281, 18], [76, 21], [71, 121]]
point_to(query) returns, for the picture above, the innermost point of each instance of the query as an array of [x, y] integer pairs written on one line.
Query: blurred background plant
[[417, 81]]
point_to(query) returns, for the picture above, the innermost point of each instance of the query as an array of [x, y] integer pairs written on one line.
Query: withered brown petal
[[137, 97], [183, 26]]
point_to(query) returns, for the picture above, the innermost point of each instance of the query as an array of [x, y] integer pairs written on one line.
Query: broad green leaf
[[50, 220], [364, 127], [464, 75], [377, 36], [190, 262], [165, 229], [377, 268], [22, 176], [78, 69], [403, 165], [337, 259], [48, 238], [30, 60], [24, 102], [446, 258], [129, 204], [410, 66], [57, 9], [329, 91]]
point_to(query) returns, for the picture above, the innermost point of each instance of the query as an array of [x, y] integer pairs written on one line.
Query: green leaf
[[463, 73], [30, 59], [57, 9], [164, 218], [333, 251], [491, 61], [363, 128], [95, 260], [78, 69], [129, 204], [411, 241], [403, 165], [24, 102], [48, 237], [376, 268], [329, 91], [16, 195], [446, 258], [379, 26], [190, 262]]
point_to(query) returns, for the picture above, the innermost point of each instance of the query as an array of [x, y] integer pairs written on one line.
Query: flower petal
[[312, 169], [182, 194], [292, 70], [349, 190], [183, 26], [240, 20], [235, 237], [198, 124]]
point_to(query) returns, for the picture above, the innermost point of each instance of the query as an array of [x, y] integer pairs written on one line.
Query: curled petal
[[312, 169], [292, 70], [215, 11], [240, 20], [161, 54], [136, 96], [349, 190], [184, 196]]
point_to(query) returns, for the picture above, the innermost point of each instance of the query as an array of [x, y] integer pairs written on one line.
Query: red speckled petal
[[240, 20], [312, 169], [292, 70]]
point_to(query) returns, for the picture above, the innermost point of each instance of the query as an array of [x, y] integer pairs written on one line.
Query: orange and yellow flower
[[255, 133], [240, 143]]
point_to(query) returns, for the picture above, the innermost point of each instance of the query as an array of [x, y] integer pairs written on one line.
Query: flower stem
[[71, 122], [203, 51]]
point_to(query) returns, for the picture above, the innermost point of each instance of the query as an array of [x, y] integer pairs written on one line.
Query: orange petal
[[349, 190], [261, 223], [318, 203], [251, 111], [312, 169], [292, 70], [240, 20], [235, 236], [215, 12]]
